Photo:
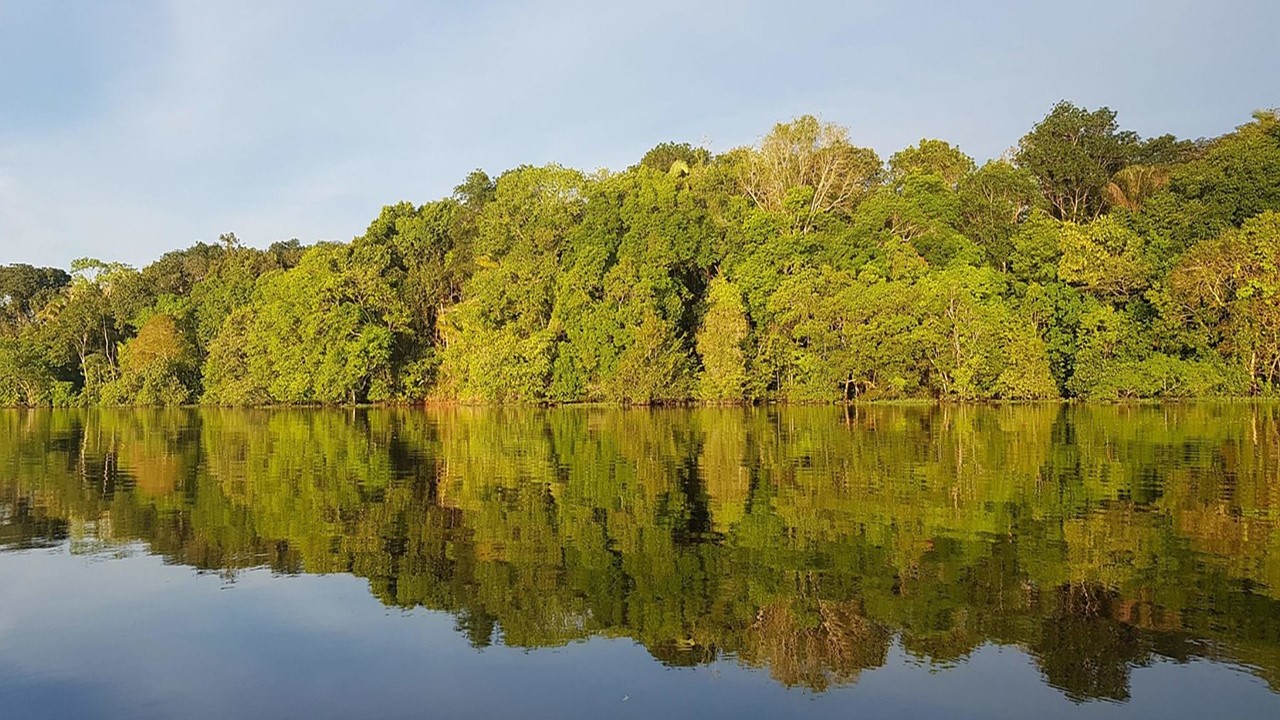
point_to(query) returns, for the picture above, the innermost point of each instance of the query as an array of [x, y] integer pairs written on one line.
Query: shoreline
[[693, 405]]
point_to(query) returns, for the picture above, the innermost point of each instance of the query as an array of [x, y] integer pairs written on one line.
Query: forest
[[1088, 262]]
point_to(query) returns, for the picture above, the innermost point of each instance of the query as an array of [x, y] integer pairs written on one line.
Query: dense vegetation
[[1090, 263], [808, 541]]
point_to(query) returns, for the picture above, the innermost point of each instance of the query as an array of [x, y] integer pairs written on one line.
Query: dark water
[[905, 562]]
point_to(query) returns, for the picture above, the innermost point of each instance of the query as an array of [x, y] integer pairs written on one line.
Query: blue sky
[[132, 128]]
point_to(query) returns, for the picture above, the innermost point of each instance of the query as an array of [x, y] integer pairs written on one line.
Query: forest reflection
[[801, 540]]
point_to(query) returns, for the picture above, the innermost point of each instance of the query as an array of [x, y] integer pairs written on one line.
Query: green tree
[[669, 156], [24, 291], [994, 201], [932, 157], [83, 325], [1103, 257], [322, 332], [26, 378], [1132, 186], [497, 341], [922, 210], [928, 278], [721, 343], [1232, 180], [1230, 287], [157, 367], [1073, 152]]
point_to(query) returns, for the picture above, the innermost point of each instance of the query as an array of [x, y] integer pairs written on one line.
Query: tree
[[922, 210], [1036, 249], [994, 201], [627, 288], [322, 332], [721, 343], [476, 190], [931, 157], [26, 379], [1129, 188], [1230, 286], [1074, 152], [975, 346], [796, 343], [157, 367], [653, 367], [1104, 257], [83, 325], [808, 168], [1024, 364], [1110, 347], [1054, 309], [497, 341], [24, 291], [431, 256], [285, 254], [228, 376], [667, 156], [1234, 178], [797, 270]]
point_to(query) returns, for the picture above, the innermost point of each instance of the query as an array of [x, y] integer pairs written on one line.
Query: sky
[[128, 129]]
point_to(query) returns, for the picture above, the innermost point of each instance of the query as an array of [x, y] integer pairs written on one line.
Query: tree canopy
[[1091, 262]]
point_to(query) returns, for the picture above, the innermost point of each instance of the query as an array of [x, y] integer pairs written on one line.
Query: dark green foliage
[[1235, 178], [24, 290], [675, 157], [994, 202], [1074, 152], [1093, 264], [931, 157]]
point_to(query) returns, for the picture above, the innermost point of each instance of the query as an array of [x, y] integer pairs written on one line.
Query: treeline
[[1090, 263], [802, 540]]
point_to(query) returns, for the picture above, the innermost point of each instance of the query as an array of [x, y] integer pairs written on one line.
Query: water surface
[[1066, 561]]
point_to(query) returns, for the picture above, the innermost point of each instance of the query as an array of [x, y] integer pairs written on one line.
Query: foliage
[[25, 378], [24, 290], [994, 201], [1074, 152], [1230, 287], [157, 367], [807, 168], [1103, 257], [1090, 263], [721, 343], [931, 157], [675, 157]]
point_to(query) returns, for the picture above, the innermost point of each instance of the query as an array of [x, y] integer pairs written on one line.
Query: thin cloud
[[301, 119]]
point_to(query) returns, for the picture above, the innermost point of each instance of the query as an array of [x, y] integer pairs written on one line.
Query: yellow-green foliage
[[803, 540], [1092, 263]]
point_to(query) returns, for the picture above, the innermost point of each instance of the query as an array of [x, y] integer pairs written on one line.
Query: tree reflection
[[804, 540]]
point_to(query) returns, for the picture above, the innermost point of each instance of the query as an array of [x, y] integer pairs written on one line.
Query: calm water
[[586, 563]]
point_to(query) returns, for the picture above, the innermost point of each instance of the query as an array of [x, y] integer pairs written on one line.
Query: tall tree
[[24, 291], [806, 168], [669, 156], [1230, 286], [931, 157], [1074, 152], [157, 367], [994, 201]]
